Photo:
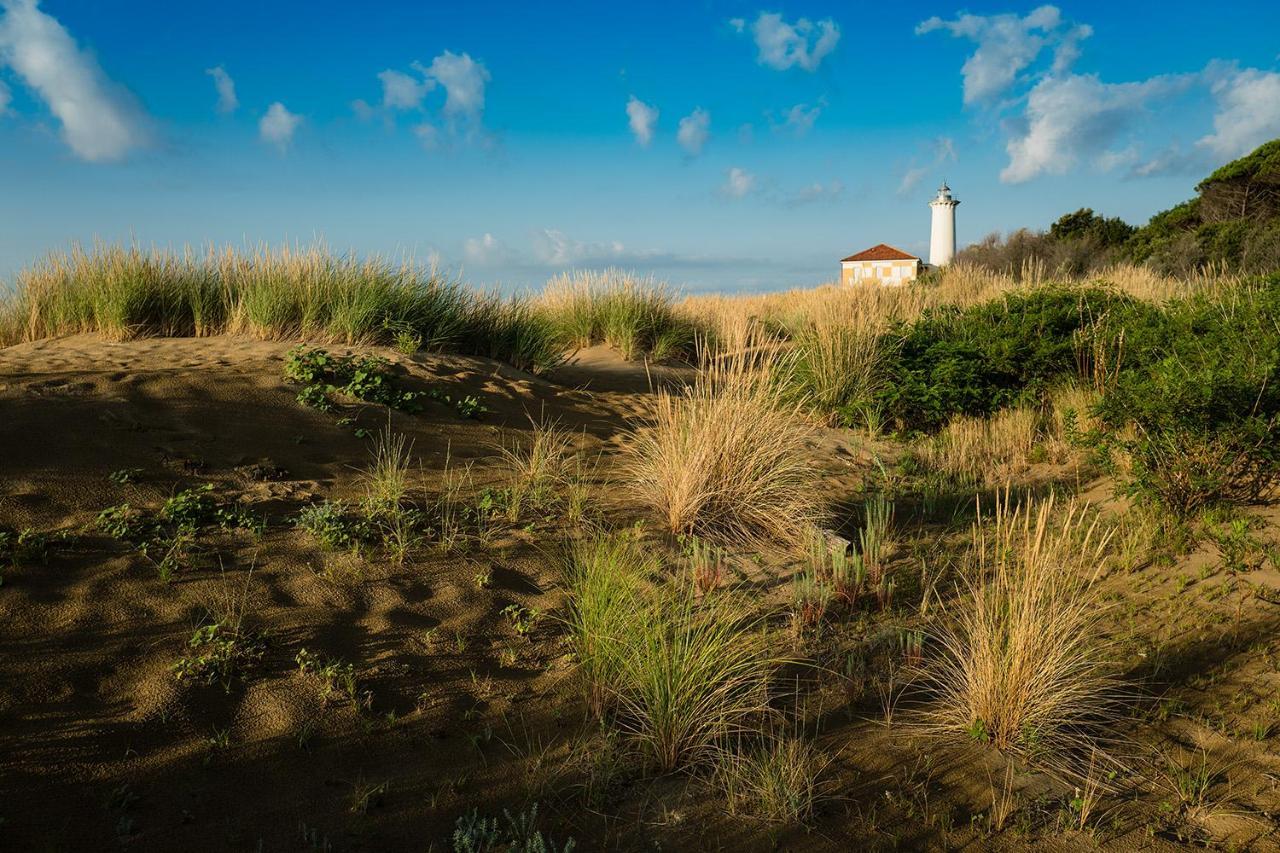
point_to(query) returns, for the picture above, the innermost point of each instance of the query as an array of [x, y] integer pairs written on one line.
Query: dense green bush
[[976, 360], [1203, 396]]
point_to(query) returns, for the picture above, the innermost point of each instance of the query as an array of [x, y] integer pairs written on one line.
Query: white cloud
[[555, 248], [100, 119], [5, 97], [1123, 158], [738, 183], [800, 118], [1068, 49], [815, 192], [1076, 116], [463, 80], [803, 44], [693, 131], [227, 100], [944, 151], [1248, 111], [401, 91], [278, 125], [428, 134], [484, 250], [911, 179], [1008, 44], [642, 118], [738, 24]]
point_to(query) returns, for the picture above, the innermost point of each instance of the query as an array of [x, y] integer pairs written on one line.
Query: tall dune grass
[[982, 451], [285, 293], [678, 672], [1023, 663], [726, 458], [636, 316]]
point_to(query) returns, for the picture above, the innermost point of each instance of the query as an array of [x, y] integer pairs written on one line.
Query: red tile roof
[[881, 253]]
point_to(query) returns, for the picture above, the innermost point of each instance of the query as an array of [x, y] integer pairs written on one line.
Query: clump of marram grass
[[636, 316], [677, 672], [537, 468], [982, 451], [778, 777], [726, 458], [1022, 663], [279, 294]]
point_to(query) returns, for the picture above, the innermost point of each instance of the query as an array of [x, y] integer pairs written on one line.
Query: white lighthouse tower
[[942, 237]]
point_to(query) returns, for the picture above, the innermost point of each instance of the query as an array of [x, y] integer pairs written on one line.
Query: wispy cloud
[[943, 151], [738, 183], [642, 119], [278, 125], [1056, 119], [1077, 116], [5, 97], [460, 118], [555, 248], [1248, 110], [487, 250], [800, 118], [464, 80], [814, 193], [227, 100], [100, 119], [693, 131], [1007, 44], [781, 45], [402, 91]]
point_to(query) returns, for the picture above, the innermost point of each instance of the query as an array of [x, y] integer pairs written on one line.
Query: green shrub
[[1203, 398], [976, 360]]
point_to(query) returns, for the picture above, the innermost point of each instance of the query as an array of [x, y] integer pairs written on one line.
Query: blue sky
[[719, 146]]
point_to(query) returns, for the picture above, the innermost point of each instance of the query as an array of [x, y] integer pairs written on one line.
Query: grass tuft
[[677, 672], [726, 458], [1022, 665]]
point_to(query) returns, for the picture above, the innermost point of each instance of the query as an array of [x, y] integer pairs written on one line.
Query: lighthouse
[[942, 237]]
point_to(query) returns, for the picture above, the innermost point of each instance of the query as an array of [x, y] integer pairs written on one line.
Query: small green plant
[[407, 342], [368, 379], [125, 475], [467, 407], [366, 795], [978, 730], [219, 653], [522, 619], [191, 509], [28, 546], [474, 833], [336, 677], [334, 527], [126, 524]]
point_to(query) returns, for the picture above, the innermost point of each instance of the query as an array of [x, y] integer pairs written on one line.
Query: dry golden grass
[[726, 458], [1022, 663], [982, 451]]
